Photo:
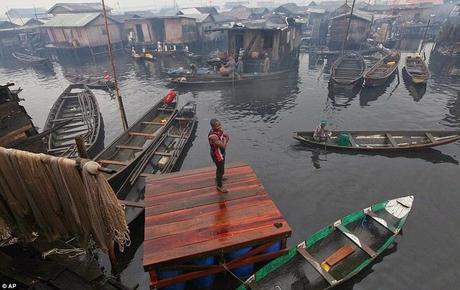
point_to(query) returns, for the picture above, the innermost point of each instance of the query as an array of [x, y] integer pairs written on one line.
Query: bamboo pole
[[119, 99], [348, 27]]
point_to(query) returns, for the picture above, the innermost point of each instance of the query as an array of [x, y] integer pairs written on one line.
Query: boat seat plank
[[113, 162], [136, 148], [165, 109], [430, 136], [163, 153], [141, 134], [382, 222], [352, 141], [152, 123], [175, 136], [328, 277], [337, 256], [391, 139], [184, 119], [66, 119], [356, 240]]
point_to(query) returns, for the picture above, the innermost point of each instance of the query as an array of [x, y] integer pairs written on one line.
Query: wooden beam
[[163, 153], [328, 277], [113, 162], [430, 136], [391, 139], [146, 135], [352, 140], [136, 148], [153, 123], [362, 245]]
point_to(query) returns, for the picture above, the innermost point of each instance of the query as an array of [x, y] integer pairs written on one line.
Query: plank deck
[[186, 217]]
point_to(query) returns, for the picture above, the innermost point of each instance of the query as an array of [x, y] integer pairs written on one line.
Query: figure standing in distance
[[218, 141]]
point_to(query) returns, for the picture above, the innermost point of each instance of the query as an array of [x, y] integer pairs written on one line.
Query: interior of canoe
[[333, 253], [139, 137], [387, 140], [76, 107]]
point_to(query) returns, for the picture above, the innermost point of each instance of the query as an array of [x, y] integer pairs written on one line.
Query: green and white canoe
[[337, 252]]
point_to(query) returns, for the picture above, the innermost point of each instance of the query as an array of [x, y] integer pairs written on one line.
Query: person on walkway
[[321, 134], [266, 64], [239, 67], [218, 141]]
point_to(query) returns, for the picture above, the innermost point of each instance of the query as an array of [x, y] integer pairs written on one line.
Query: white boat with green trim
[[337, 252]]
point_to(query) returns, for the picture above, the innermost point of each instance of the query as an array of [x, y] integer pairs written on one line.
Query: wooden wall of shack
[[180, 30], [358, 33], [92, 35]]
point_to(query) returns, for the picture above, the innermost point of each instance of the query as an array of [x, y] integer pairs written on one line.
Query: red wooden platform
[[186, 218]]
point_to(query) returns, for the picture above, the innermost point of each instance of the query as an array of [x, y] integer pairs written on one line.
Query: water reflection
[[371, 94], [265, 101], [342, 96], [416, 91]]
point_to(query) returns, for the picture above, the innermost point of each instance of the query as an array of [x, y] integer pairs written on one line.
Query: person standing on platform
[[218, 141]]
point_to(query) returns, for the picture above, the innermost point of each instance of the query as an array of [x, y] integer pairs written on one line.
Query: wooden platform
[[186, 218]]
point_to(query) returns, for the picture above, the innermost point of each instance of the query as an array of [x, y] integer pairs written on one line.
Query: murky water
[[312, 187]]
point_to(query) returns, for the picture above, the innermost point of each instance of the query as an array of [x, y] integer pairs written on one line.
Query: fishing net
[[59, 199]]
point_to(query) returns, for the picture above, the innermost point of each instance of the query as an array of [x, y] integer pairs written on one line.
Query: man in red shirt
[[218, 141]]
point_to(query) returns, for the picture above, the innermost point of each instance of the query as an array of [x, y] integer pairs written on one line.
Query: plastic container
[[206, 281], [243, 271], [343, 139], [275, 247], [171, 274]]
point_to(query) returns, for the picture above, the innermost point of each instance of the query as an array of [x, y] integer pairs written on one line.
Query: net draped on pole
[[58, 199]]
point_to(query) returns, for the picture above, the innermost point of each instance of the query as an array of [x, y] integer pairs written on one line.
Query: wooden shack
[[84, 33], [448, 39], [180, 30], [360, 28], [73, 8], [276, 36]]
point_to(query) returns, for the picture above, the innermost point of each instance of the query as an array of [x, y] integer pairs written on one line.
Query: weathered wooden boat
[[77, 106], [125, 152], [348, 69], [216, 79], [417, 69], [381, 140], [92, 82], [149, 56], [28, 58], [338, 251], [381, 72], [161, 158]]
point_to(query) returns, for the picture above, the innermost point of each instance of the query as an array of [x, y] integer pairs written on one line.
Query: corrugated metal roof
[[198, 17], [72, 20]]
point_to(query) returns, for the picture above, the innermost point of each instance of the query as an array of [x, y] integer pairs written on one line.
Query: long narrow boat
[[348, 69], [417, 69], [77, 106], [164, 157], [337, 252], [381, 72], [216, 79], [92, 82], [381, 140], [28, 58], [124, 153]]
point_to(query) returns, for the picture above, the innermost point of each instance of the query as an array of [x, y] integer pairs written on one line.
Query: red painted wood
[[186, 217]]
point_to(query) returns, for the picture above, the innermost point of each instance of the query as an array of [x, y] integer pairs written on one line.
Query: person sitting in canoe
[[321, 134], [170, 99]]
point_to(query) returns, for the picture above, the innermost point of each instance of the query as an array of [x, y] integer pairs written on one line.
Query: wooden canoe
[[348, 69], [162, 158], [78, 108], [338, 251], [417, 70], [383, 140], [124, 153], [381, 72], [216, 79], [97, 83], [28, 58]]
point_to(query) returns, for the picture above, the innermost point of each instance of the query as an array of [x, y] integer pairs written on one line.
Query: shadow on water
[[371, 94], [342, 96], [350, 284], [430, 155], [416, 91], [265, 101]]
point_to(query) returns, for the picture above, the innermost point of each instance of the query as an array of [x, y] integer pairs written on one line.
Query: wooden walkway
[[187, 218]]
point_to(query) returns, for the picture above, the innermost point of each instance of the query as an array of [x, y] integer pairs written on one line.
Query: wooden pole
[[119, 99], [424, 36], [81, 147], [348, 27]]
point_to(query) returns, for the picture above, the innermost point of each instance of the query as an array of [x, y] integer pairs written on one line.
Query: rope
[[71, 253], [231, 273]]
